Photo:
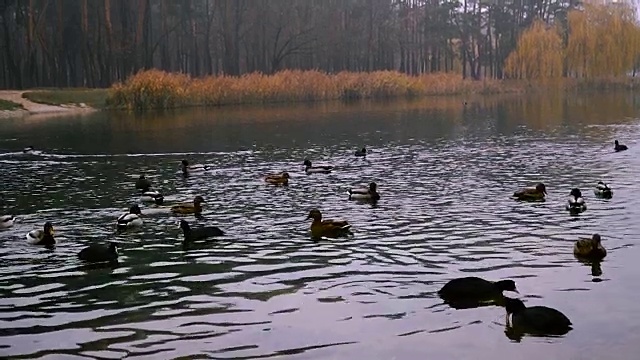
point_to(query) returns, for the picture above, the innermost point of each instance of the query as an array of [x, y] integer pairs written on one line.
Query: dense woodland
[[94, 43]]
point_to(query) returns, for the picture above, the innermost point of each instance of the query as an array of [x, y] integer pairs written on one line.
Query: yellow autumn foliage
[[539, 54], [604, 40]]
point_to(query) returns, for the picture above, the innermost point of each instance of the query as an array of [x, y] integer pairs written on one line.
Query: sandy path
[[35, 108]]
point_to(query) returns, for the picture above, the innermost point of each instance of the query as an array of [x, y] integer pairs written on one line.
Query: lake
[[446, 169]]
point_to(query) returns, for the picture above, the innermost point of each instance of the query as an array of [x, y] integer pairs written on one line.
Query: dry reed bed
[[158, 89]]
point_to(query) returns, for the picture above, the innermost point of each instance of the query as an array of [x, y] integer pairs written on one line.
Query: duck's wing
[[335, 224], [35, 236]]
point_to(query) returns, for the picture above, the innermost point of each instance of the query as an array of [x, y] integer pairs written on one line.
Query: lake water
[[445, 171]]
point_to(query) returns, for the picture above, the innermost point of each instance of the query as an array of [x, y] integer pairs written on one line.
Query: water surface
[[445, 171]]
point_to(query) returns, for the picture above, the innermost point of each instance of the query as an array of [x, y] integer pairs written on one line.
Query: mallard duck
[[98, 253], [194, 208], [536, 193], [130, 219], [620, 147], [143, 184], [475, 288], [327, 228], [199, 233], [6, 221], [42, 237], [187, 168], [278, 179], [153, 196], [369, 193], [590, 248], [362, 152], [576, 204], [310, 169], [536, 320], [603, 190]]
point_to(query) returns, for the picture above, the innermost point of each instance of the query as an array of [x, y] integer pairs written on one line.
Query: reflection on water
[[445, 172]]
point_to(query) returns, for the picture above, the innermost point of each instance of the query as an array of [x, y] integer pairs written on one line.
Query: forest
[[96, 43]]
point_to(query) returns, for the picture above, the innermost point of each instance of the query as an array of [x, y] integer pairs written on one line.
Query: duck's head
[[141, 177], [513, 306], [596, 239], [373, 187], [307, 163], [48, 228], [198, 200], [135, 209], [601, 183], [541, 188], [285, 175], [576, 193], [184, 225], [315, 214], [617, 143], [364, 150], [507, 285]]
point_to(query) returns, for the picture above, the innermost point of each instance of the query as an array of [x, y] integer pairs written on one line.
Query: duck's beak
[[52, 231]]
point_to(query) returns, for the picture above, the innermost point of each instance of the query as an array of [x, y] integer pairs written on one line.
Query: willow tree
[[539, 54], [604, 40]]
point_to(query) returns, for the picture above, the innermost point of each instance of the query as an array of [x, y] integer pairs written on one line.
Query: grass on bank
[[95, 98], [9, 105], [158, 89]]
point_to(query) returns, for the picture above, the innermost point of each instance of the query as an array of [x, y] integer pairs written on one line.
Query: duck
[[130, 219], [361, 152], [278, 179], [143, 184], [187, 168], [194, 208], [310, 169], [369, 193], [327, 228], [475, 289], [590, 248], [153, 196], [99, 253], [536, 193], [603, 190], [199, 233], [536, 320], [28, 150], [620, 147], [576, 204], [42, 237], [6, 221]]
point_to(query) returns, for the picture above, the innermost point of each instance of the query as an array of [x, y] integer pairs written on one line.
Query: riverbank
[[48, 102], [155, 89]]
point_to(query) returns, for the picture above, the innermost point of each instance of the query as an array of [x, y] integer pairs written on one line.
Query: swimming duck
[[576, 204], [362, 152], [153, 196], [536, 320], [603, 190], [310, 169], [369, 193], [278, 179], [6, 221], [143, 184], [193, 234], [187, 169], [536, 193], [42, 237], [194, 208], [620, 147], [327, 228], [475, 288], [130, 219], [590, 248], [98, 253]]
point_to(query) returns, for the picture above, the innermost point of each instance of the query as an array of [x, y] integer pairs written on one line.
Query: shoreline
[[30, 108]]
